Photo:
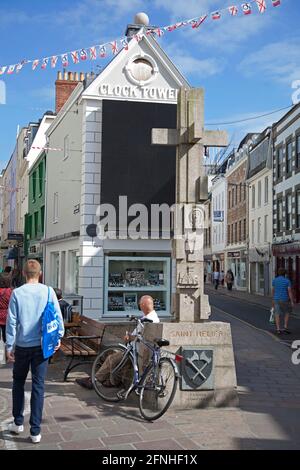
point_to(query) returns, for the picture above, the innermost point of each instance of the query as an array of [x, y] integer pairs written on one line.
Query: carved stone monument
[[208, 371]]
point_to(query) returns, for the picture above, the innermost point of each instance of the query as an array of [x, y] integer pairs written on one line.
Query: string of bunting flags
[[101, 50]]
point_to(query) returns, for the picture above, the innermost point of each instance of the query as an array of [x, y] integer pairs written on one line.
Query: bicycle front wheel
[[110, 381], [158, 390]]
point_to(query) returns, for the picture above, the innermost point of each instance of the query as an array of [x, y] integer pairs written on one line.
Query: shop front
[[237, 262], [260, 269], [287, 256]]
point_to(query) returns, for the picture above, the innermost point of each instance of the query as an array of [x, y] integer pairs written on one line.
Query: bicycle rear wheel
[[110, 382], [158, 390]]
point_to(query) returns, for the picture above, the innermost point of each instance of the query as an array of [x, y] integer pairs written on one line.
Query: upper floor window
[[229, 199], [233, 194], [253, 197], [288, 161], [258, 229], [298, 151], [41, 177], [34, 186], [279, 215], [266, 229], [288, 212], [259, 194], [298, 209], [266, 190], [252, 231], [279, 162]]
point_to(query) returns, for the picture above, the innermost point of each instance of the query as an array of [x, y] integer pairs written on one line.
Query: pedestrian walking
[[222, 277], [282, 300], [216, 278], [23, 346], [229, 279], [5, 294]]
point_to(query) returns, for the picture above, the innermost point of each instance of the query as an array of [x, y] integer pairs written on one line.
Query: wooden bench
[[82, 342]]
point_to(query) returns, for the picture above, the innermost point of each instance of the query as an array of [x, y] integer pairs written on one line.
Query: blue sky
[[246, 64]]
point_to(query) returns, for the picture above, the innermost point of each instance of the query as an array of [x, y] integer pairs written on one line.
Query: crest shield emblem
[[197, 368]]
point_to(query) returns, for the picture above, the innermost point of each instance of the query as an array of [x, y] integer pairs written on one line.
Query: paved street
[[268, 415]]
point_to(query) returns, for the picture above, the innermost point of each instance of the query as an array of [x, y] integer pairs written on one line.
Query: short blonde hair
[[32, 269]]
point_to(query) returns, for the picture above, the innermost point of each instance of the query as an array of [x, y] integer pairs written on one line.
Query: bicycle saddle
[[161, 342]]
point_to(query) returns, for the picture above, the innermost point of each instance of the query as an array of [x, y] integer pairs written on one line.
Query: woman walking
[[5, 293]]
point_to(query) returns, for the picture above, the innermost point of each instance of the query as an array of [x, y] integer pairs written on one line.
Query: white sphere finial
[[141, 18]]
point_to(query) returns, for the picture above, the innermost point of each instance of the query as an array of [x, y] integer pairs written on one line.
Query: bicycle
[[157, 384]]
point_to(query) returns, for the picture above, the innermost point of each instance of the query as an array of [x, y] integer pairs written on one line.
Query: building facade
[[237, 214], [260, 212], [286, 203], [219, 221]]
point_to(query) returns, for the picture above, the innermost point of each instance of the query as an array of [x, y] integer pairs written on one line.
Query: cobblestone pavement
[[268, 416]]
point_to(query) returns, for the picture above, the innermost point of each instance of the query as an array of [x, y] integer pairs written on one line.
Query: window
[[253, 197], [298, 151], [279, 162], [258, 229], [34, 186], [55, 269], [233, 197], [288, 161], [240, 230], [298, 209], [55, 208], [30, 227], [259, 194], [229, 199], [66, 147], [245, 227], [266, 229], [236, 195], [279, 215], [228, 233], [241, 189], [235, 232], [36, 223], [252, 230], [232, 234], [266, 190], [42, 218], [288, 212], [41, 178]]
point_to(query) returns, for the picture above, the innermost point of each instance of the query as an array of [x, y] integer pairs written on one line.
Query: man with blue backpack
[[34, 327]]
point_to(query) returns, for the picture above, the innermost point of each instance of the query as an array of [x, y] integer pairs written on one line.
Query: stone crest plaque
[[197, 371]]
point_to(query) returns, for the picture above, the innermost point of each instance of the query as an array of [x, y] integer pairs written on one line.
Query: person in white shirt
[[103, 375], [216, 278]]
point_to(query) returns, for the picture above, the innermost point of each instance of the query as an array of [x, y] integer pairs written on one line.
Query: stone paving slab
[[268, 416]]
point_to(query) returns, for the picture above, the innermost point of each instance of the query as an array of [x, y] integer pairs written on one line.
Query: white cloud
[[44, 94], [279, 61]]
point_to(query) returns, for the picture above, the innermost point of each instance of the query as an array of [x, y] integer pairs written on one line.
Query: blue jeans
[[26, 358]]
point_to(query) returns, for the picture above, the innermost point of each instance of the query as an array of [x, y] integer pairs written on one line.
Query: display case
[[127, 279]]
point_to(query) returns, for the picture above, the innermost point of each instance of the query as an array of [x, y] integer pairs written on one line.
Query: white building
[[219, 221], [260, 221], [104, 129], [286, 203]]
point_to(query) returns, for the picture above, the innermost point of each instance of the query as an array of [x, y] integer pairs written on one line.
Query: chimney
[[64, 86]]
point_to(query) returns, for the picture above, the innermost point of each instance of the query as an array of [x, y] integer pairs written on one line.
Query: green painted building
[[34, 219]]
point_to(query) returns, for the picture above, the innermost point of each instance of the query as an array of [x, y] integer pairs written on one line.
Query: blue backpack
[[50, 328]]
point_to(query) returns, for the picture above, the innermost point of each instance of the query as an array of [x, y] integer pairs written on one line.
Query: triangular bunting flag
[[124, 43], [246, 7], [216, 15], [261, 5], [196, 23], [45, 63], [11, 69], [83, 54], [160, 32], [2, 69], [75, 57], [64, 60], [102, 51], [276, 3], [20, 65], [114, 47], [233, 10], [54, 61], [35, 63], [138, 37], [93, 53]]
